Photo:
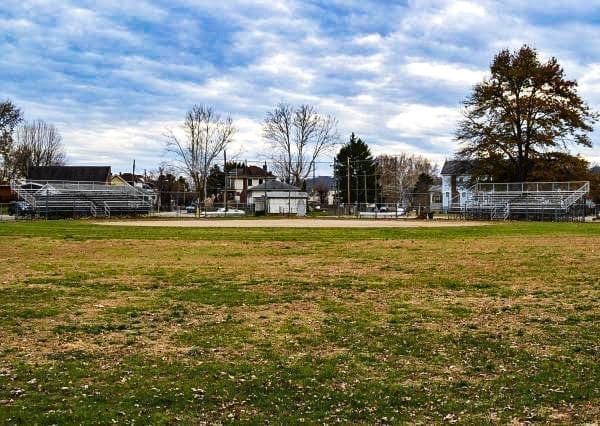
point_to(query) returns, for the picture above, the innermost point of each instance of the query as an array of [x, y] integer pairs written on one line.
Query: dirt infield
[[296, 223]]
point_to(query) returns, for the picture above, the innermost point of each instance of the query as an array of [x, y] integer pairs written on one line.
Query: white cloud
[[423, 120], [373, 39], [394, 74], [449, 73], [589, 82]]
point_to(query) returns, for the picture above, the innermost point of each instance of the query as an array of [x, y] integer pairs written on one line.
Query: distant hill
[[327, 181]]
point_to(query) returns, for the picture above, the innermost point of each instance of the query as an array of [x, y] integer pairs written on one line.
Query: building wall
[[435, 199], [6, 195], [283, 195], [462, 186], [238, 185], [283, 205], [446, 191]]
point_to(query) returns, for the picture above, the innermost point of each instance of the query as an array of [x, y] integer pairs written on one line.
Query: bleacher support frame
[[555, 201]]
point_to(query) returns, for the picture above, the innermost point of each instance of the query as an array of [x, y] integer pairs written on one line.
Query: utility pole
[[225, 171], [396, 187], [365, 178], [357, 193], [314, 182], [266, 209], [348, 178]]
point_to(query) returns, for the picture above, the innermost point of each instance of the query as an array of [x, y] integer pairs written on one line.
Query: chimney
[[265, 167]]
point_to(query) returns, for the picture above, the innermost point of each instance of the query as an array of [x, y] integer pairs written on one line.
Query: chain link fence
[[186, 205]]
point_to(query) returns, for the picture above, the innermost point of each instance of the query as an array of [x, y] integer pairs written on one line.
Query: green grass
[[82, 230], [490, 324]]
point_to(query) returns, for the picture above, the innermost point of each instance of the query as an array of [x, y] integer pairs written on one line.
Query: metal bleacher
[[526, 200], [81, 199]]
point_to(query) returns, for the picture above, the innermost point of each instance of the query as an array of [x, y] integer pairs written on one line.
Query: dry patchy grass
[[495, 328]]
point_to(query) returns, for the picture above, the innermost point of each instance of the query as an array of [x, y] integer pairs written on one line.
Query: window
[[436, 198], [249, 182], [260, 181], [447, 195]]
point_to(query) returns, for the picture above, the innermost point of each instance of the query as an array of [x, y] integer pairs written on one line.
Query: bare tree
[[10, 116], [322, 190], [206, 136], [399, 174], [37, 144], [298, 137]]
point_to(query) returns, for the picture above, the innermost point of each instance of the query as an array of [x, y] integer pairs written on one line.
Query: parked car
[[191, 208], [20, 208], [230, 211]]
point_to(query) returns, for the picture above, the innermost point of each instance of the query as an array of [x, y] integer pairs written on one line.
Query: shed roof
[[284, 195]]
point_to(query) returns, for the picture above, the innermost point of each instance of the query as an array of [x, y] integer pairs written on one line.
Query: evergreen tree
[[363, 172], [421, 191], [216, 181]]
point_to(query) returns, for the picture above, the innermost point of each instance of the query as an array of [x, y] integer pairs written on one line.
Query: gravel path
[[295, 223]]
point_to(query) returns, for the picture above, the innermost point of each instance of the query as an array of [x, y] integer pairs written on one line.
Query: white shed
[[281, 198]]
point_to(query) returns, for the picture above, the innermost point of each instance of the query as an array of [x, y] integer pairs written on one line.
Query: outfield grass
[[134, 325]]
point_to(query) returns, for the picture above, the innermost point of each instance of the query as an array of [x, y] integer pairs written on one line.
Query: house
[[241, 179], [456, 175], [322, 190], [118, 180], [138, 182], [70, 173], [281, 198]]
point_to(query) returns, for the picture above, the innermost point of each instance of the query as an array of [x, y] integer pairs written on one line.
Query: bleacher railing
[[82, 197], [500, 200]]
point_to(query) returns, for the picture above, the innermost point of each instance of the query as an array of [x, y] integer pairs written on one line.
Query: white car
[[221, 212], [231, 211]]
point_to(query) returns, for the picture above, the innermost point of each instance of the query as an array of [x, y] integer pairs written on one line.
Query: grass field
[[488, 324]]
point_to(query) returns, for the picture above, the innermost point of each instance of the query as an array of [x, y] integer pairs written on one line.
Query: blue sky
[[114, 75]]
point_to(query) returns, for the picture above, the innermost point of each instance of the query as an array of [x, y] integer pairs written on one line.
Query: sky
[[115, 75]]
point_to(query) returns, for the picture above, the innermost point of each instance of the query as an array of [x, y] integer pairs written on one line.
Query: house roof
[[129, 177], [457, 167], [250, 171], [274, 185], [71, 173]]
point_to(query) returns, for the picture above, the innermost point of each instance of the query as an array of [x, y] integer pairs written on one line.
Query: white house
[[280, 197], [240, 179], [456, 175]]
